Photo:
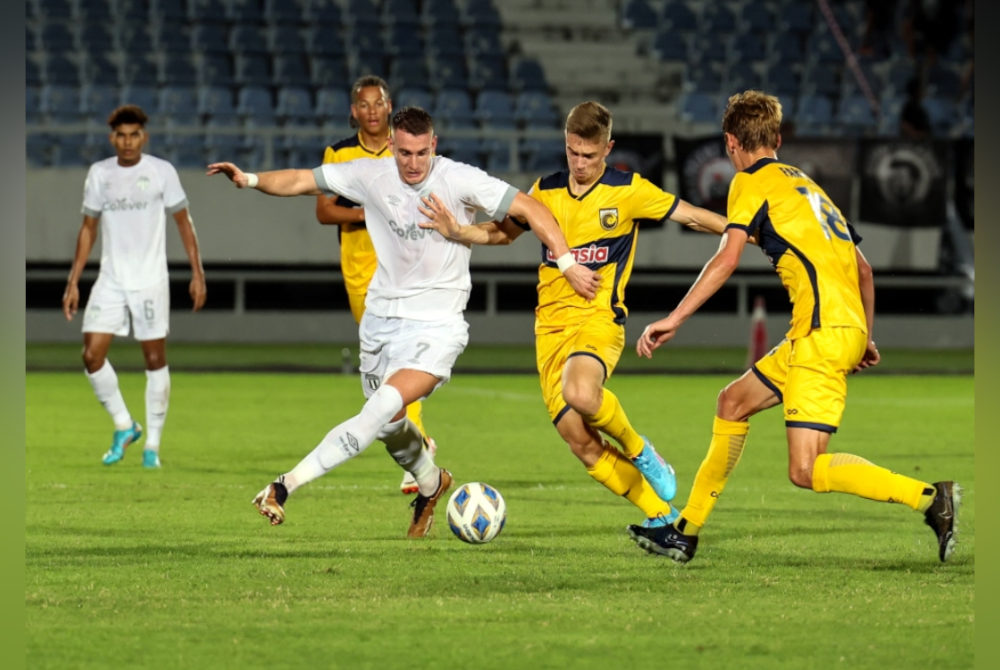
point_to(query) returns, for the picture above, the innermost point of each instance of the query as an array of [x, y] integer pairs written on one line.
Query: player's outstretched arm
[[712, 277], [278, 182], [698, 218], [84, 245], [329, 213], [583, 280], [866, 283], [189, 238], [444, 222]]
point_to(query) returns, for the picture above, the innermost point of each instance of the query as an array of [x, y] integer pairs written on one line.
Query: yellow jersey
[[350, 149], [807, 240], [601, 228]]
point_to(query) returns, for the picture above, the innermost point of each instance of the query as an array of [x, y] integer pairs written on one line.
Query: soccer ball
[[476, 513]]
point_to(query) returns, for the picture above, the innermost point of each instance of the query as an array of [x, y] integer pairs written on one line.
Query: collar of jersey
[[761, 162], [600, 180], [361, 143]]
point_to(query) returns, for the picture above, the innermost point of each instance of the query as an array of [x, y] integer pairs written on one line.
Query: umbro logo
[[393, 201]]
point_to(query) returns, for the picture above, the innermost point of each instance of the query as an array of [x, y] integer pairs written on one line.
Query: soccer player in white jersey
[[413, 328], [130, 195]]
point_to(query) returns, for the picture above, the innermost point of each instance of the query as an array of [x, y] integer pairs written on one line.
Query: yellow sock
[[619, 476], [415, 413], [847, 473], [611, 420], [728, 438]]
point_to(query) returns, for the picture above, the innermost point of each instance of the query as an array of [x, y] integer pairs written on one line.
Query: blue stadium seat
[[534, 109], [480, 14], [900, 73], [412, 97], [327, 72], [62, 71], [498, 157], [215, 101], [136, 11], [943, 115], [544, 156], [96, 38], [943, 82], [638, 15], [796, 17], [403, 42], [717, 18], [814, 110], [453, 107], [408, 72], [854, 114], [367, 64], [851, 86], [54, 9], [57, 38], [825, 49], [246, 11], [448, 73], [488, 73], [174, 100], [97, 69], [178, 70], [225, 142], [321, 12], [702, 77], [247, 39], [482, 42], [698, 107], [747, 47], [528, 75], [253, 70], [38, 150], [168, 10], [295, 103], [322, 41], [143, 96], [445, 49], [186, 156], [175, 37], [710, 47], [32, 73], [786, 47], [821, 78], [437, 12], [70, 151], [32, 106], [361, 42], [285, 39], [210, 38], [137, 41], [362, 16], [741, 76], [216, 70], [495, 109], [94, 10], [669, 45], [283, 12], [291, 70], [462, 149], [332, 103], [678, 16], [756, 16], [782, 80], [206, 11], [30, 39], [400, 13], [61, 104]]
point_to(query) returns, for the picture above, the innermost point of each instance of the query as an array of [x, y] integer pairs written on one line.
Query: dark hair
[[127, 114], [367, 81], [413, 120]]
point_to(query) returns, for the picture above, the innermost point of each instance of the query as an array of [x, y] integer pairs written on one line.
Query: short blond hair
[[591, 121], [754, 119]]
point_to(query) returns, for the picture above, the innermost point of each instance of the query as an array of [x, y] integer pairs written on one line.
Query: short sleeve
[[746, 208], [855, 237], [174, 198], [480, 190], [533, 192], [650, 201], [91, 195], [345, 179]]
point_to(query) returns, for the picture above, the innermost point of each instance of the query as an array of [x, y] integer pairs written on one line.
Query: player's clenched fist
[[583, 280]]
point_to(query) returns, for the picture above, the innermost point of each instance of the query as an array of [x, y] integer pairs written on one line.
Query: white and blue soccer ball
[[476, 513]]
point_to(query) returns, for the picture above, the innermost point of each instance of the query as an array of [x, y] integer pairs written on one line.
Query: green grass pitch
[[174, 568]]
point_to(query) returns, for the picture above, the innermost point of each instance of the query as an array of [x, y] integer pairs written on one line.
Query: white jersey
[[132, 204], [420, 274]]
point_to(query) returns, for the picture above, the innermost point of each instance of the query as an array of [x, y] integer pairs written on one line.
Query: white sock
[[105, 384], [157, 402], [348, 439], [405, 444]]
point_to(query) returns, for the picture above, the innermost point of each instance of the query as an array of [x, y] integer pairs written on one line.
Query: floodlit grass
[[174, 568]]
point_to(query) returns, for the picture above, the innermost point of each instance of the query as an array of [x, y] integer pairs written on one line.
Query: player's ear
[[434, 144], [611, 145]]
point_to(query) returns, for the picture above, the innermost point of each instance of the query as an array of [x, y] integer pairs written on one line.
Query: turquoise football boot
[[657, 472], [660, 521], [120, 442], [150, 458]]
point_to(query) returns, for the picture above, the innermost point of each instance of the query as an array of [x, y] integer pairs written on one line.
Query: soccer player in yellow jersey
[[579, 341], [814, 251], [370, 111]]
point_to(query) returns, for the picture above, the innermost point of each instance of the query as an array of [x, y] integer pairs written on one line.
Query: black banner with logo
[[904, 182], [704, 172], [963, 159], [643, 154]]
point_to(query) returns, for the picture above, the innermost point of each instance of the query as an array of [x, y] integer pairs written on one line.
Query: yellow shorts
[[357, 264], [602, 339], [809, 375]]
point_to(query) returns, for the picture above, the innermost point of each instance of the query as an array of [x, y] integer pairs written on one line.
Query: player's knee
[[801, 476], [155, 360], [93, 359], [728, 406], [581, 398]]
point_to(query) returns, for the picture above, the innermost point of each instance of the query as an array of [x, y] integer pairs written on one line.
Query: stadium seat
[[638, 15], [408, 72], [61, 104], [327, 72], [438, 12], [412, 97], [291, 70], [38, 150], [206, 11], [285, 39], [544, 156], [366, 43], [136, 11], [60, 70], [498, 157], [534, 109], [175, 100], [855, 115], [786, 47], [173, 37], [215, 70], [70, 151], [821, 78], [851, 86], [220, 134], [56, 38], [168, 10], [480, 14], [32, 73], [403, 42], [697, 107], [943, 82], [462, 149], [186, 156], [30, 39], [745, 47], [333, 104], [814, 110], [888, 125], [137, 40], [96, 38], [362, 16], [178, 70], [453, 107], [246, 11], [401, 13], [677, 16], [709, 47], [143, 96], [210, 38], [295, 104], [482, 42], [32, 106], [321, 12], [322, 40], [488, 73], [448, 73], [669, 45], [899, 75], [215, 101], [717, 18], [495, 109], [702, 77], [54, 9], [528, 75], [825, 49], [445, 48], [741, 76], [252, 70], [283, 13], [756, 16], [782, 80], [253, 101], [943, 115], [246, 39], [366, 64], [94, 10], [796, 17], [97, 69]]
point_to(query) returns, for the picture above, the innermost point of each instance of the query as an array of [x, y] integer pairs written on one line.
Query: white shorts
[[111, 309], [389, 344]]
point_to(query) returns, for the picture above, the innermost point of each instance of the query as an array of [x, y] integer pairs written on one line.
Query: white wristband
[[252, 180], [565, 262]]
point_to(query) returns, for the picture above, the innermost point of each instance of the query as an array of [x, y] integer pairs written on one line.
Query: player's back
[[807, 240]]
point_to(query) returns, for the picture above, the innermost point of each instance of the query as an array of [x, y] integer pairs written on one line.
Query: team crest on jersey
[[609, 218], [143, 183]]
